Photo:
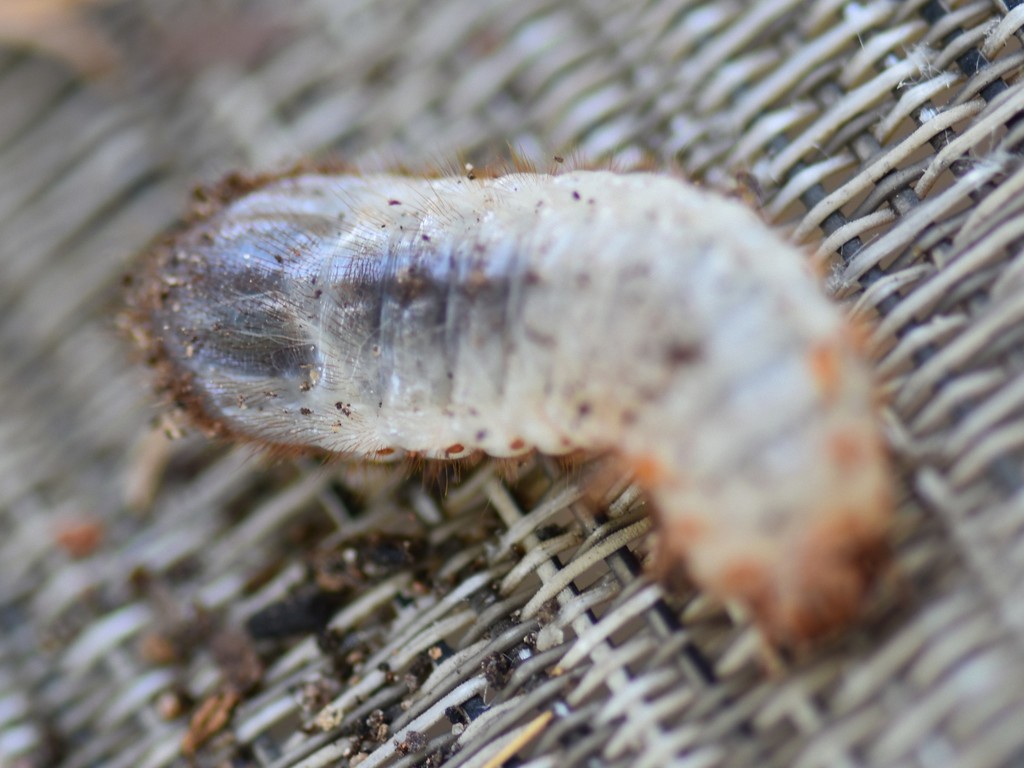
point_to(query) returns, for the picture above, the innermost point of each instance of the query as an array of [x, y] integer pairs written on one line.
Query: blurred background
[[172, 603]]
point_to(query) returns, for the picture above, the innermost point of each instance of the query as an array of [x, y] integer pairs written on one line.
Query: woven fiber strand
[[496, 612]]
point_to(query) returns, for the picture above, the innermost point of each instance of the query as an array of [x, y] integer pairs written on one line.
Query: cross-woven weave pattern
[[181, 603]]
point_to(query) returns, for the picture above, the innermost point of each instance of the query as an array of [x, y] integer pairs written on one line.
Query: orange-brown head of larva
[[825, 588], [798, 594], [834, 544], [815, 580], [799, 549]]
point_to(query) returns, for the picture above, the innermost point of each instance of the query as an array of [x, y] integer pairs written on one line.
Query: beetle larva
[[630, 313]]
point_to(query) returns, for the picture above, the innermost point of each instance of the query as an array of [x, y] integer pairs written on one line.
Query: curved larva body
[[632, 313]]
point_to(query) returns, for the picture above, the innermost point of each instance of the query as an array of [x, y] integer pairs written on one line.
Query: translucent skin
[[632, 313]]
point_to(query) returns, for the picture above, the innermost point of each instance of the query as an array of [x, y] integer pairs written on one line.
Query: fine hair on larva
[[634, 314]]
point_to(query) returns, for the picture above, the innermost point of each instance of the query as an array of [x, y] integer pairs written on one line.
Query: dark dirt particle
[[497, 667], [414, 742]]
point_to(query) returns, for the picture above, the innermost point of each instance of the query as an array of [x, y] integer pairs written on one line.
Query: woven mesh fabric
[[490, 615]]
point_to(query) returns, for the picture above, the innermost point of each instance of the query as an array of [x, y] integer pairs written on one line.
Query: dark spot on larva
[[375, 350], [636, 272], [481, 435], [345, 408], [305, 386], [380, 403], [278, 258], [575, 195], [454, 448], [559, 159], [410, 284], [682, 353], [531, 277], [648, 394], [517, 445], [565, 442], [312, 280], [583, 409], [475, 282], [240, 401], [306, 411], [591, 201], [474, 412], [394, 202], [425, 238], [773, 521], [317, 293], [270, 393], [385, 451], [583, 280], [539, 338]]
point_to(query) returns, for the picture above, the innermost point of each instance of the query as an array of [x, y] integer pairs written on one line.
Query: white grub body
[[629, 313]]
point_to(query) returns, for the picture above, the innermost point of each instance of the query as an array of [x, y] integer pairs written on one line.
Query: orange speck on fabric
[[79, 537]]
